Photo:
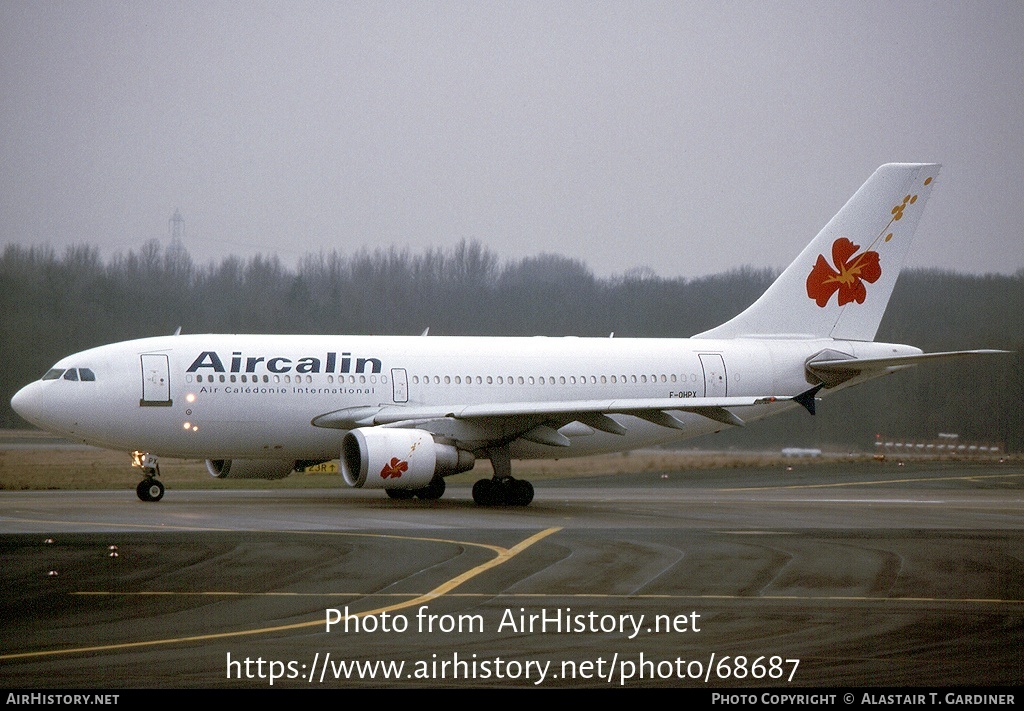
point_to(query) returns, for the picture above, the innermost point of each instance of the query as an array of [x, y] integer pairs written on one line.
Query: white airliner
[[403, 412]]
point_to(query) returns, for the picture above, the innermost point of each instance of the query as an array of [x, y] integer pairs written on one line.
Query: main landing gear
[[150, 488], [433, 490], [503, 492], [502, 489]]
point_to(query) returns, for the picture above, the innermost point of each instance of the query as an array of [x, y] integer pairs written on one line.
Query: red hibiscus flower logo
[[394, 469], [847, 277]]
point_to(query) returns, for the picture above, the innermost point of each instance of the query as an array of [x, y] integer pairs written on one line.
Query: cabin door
[[156, 380], [716, 384], [400, 384]]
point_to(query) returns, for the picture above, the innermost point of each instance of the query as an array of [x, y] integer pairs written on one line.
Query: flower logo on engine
[[394, 469], [847, 277]]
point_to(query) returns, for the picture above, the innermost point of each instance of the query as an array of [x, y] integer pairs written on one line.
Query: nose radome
[[26, 402]]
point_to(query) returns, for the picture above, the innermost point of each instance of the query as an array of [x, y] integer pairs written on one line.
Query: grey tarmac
[[868, 574]]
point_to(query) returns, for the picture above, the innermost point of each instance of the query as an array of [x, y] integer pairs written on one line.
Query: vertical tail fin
[[840, 284]]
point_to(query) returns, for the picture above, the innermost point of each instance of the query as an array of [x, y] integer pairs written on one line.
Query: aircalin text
[[279, 364]]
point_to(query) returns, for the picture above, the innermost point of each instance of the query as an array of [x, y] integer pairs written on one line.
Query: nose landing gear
[[150, 488]]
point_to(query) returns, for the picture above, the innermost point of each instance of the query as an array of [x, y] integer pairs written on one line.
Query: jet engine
[[250, 468], [385, 458]]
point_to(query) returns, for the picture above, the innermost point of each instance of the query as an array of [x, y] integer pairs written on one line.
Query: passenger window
[[71, 374], [86, 375], [53, 374]]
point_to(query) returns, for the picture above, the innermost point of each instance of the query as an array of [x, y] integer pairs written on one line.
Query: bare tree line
[[54, 304]]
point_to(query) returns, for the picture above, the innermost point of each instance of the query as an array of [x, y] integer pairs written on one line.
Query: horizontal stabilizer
[[834, 372]]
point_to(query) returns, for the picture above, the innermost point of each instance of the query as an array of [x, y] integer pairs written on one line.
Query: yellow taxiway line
[[502, 555]]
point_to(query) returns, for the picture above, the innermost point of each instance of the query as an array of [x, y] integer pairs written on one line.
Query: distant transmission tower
[[177, 226]]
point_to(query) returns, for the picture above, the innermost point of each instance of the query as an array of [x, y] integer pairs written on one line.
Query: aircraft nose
[[27, 402]]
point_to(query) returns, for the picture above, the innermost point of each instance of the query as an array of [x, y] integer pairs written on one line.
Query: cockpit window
[[72, 374]]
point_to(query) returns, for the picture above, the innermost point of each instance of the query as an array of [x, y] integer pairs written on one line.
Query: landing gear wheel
[[483, 491], [521, 493], [150, 489], [433, 490], [503, 492], [401, 493]]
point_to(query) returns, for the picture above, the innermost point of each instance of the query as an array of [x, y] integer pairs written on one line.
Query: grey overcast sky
[[689, 137]]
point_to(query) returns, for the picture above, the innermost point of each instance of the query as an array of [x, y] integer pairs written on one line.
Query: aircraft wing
[[835, 371], [537, 421]]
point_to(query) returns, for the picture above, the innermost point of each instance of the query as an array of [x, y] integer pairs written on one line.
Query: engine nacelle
[[250, 468], [385, 458]]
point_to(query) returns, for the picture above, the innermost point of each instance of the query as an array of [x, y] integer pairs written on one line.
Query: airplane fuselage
[[255, 396]]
